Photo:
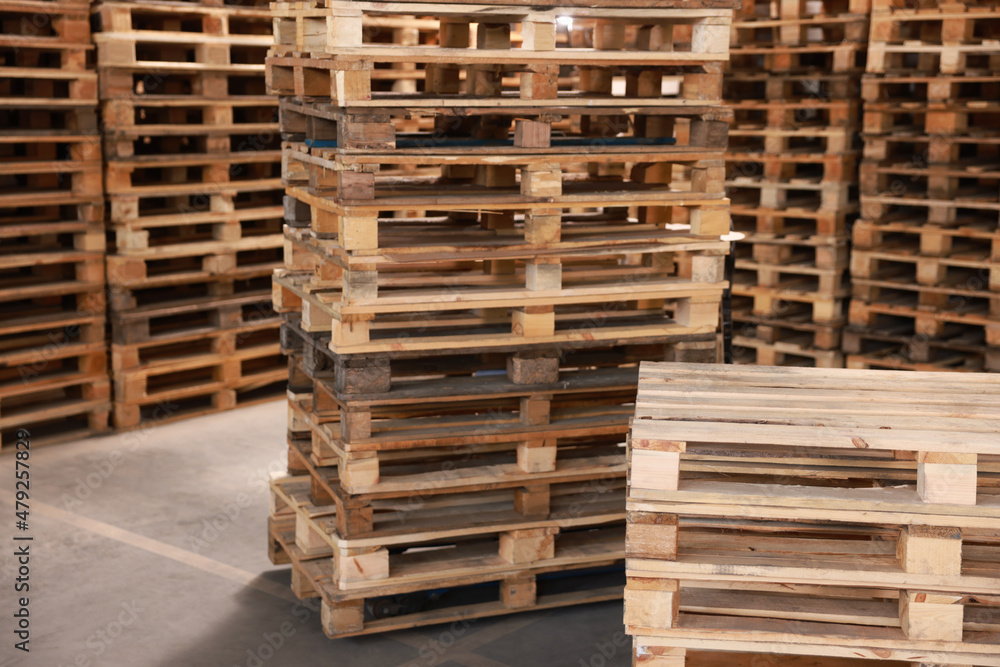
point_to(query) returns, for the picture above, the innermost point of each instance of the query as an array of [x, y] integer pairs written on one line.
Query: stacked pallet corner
[[479, 249], [925, 267], [794, 81], [841, 514], [192, 174], [53, 362]]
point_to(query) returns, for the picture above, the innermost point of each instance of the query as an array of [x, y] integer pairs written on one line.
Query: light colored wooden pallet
[[792, 250], [162, 407], [708, 30], [750, 350], [931, 38], [952, 117], [223, 307], [762, 10], [958, 181], [888, 207], [905, 303], [694, 304], [765, 86], [898, 347], [938, 150], [517, 227], [58, 408], [203, 204], [417, 478], [928, 88], [800, 30], [45, 87], [802, 193], [343, 282], [195, 344], [969, 272], [176, 124], [821, 226], [455, 455], [794, 326], [37, 166], [364, 559], [762, 138], [761, 499], [518, 591], [839, 58], [195, 80], [793, 166], [204, 174], [774, 277], [825, 300]]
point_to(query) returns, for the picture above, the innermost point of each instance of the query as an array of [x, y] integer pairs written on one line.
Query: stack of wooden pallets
[[814, 512], [792, 175], [474, 269], [192, 176], [53, 375], [926, 260]]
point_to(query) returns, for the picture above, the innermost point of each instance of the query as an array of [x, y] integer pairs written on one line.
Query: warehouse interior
[[661, 333]]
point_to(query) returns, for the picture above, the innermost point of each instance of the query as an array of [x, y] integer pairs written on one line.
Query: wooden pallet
[[961, 179], [937, 149], [826, 525], [792, 325], [790, 167], [764, 86], [447, 456], [145, 315], [762, 140], [810, 194], [829, 226], [796, 112], [905, 303], [969, 237], [967, 270], [841, 58], [800, 30], [491, 595], [472, 559], [39, 165], [930, 38], [753, 351], [697, 35], [896, 346], [798, 292], [377, 372], [763, 10], [150, 35], [693, 306], [54, 380], [773, 262], [964, 88], [951, 117], [889, 207], [47, 56], [187, 124]]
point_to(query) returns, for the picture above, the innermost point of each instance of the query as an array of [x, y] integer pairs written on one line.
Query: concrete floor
[[149, 549]]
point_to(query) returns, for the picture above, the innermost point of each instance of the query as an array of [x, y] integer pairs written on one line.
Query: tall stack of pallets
[[473, 270], [53, 362], [926, 260], [792, 175], [192, 173], [812, 512]]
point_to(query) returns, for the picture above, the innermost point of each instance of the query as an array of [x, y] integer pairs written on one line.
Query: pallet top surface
[[810, 407]]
